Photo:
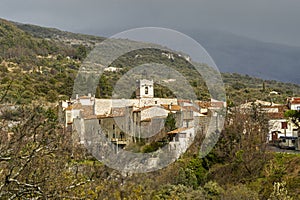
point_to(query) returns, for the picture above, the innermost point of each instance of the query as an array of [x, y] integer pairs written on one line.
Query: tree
[[243, 143], [81, 52], [170, 123], [294, 116], [34, 157], [98, 93]]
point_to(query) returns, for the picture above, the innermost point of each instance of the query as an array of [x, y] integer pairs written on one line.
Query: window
[[284, 125], [155, 102], [146, 90], [122, 135], [177, 137], [284, 140], [293, 141], [298, 108]]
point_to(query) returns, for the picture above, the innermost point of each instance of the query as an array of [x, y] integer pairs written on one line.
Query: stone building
[[128, 120]]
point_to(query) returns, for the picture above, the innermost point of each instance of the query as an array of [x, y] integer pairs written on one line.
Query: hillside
[[49, 66], [232, 53], [58, 35], [15, 42]]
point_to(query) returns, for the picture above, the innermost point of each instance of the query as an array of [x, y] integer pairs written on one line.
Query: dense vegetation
[[38, 159]]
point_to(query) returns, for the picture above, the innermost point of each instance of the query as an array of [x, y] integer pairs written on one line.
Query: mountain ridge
[[232, 53], [239, 54]]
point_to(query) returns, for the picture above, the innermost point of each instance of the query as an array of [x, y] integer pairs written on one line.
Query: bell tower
[[144, 89]]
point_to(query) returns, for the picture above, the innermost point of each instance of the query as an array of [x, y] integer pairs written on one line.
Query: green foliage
[[152, 147], [81, 52], [241, 88], [105, 87], [213, 189], [187, 177], [52, 96], [294, 116], [170, 123], [240, 192], [238, 86], [178, 192], [197, 166]]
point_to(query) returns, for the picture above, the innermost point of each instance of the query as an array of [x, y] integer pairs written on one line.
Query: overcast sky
[[267, 20]]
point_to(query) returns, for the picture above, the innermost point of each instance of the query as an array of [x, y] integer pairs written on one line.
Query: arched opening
[[146, 90]]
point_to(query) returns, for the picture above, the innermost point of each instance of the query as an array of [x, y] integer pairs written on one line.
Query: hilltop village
[[125, 121], [129, 120]]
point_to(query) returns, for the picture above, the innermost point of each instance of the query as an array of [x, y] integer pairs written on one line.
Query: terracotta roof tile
[[190, 108], [179, 130], [171, 107], [203, 104]]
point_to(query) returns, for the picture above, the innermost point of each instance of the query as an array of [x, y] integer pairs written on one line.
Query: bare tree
[[243, 141], [35, 157]]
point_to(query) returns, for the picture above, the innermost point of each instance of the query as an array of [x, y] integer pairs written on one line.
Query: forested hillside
[[28, 58]]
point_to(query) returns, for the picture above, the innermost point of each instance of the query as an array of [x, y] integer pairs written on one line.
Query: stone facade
[[128, 120]]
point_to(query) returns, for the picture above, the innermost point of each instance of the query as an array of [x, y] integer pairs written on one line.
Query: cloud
[[268, 20]]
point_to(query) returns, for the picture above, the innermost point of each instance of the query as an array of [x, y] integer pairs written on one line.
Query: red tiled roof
[[171, 107], [217, 104], [279, 115], [69, 108], [203, 104], [76, 106], [179, 130], [118, 111], [84, 97], [183, 101], [190, 108], [294, 100], [91, 117], [87, 111]]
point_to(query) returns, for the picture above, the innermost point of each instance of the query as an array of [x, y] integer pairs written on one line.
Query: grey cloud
[[267, 20]]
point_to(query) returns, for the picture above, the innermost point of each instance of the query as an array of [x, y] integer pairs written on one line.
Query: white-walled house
[[72, 112], [294, 103], [281, 127], [182, 139]]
